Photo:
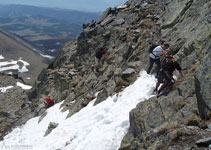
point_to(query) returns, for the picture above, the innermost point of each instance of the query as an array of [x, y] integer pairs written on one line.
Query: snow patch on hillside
[[99, 127], [4, 89], [47, 56], [1, 57], [19, 65], [23, 86]]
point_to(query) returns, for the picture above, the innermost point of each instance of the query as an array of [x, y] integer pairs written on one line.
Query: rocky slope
[[10, 102], [176, 121], [179, 120], [13, 47], [15, 52]]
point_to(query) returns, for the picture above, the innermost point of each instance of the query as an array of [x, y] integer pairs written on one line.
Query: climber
[[100, 52], [154, 56], [166, 74], [49, 101]]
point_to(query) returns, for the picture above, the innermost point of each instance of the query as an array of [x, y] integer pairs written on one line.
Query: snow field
[[99, 127]]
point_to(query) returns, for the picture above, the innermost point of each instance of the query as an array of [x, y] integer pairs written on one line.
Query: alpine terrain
[[115, 108], [45, 28], [20, 65]]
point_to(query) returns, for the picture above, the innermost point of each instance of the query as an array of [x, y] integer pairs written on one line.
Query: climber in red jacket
[[49, 101]]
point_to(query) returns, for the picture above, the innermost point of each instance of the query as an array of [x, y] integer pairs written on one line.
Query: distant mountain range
[[61, 14], [46, 28]]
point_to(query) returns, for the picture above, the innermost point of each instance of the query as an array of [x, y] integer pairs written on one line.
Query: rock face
[[203, 88], [15, 49], [164, 122], [176, 121], [51, 126], [12, 47], [10, 103]]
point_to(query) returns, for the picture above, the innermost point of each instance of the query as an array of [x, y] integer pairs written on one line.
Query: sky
[[99, 127], [82, 5]]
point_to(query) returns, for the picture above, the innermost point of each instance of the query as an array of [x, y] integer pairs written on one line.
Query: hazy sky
[[85, 5]]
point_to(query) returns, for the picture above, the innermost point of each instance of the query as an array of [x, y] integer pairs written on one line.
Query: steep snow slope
[[99, 127]]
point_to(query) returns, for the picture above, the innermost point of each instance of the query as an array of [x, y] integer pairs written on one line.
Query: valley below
[[45, 28]]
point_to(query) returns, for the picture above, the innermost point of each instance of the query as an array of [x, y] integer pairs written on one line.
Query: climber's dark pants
[[151, 62], [49, 105]]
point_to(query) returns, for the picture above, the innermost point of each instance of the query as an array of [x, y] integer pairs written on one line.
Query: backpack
[[152, 47], [99, 53]]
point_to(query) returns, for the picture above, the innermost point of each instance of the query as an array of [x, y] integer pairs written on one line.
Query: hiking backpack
[[152, 47]]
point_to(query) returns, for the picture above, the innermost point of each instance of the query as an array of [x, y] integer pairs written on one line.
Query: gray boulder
[[203, 87], [104, 15], [107, 20], [204, 142], [51, 126], [118, 22], [128, 71], [101, 96]]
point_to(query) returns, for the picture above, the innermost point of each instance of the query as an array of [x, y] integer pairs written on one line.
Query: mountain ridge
[[44, 27], [65, 14], [13, 47], [179, 120], [20, 65]]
